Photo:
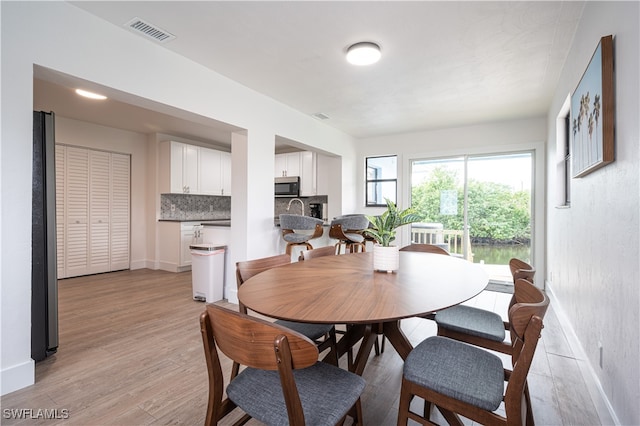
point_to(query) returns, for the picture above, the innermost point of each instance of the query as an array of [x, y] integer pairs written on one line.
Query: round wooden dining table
[[345, 289]]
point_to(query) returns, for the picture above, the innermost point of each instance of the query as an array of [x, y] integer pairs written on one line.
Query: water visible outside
[[500, 255], [495, 260]]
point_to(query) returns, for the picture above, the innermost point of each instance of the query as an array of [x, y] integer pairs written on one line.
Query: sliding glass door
[[477, 207]]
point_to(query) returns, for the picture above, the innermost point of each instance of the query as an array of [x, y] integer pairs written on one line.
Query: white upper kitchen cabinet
[[215, 172], [190, 169], [209, 172], [287, 164], [183, 167]]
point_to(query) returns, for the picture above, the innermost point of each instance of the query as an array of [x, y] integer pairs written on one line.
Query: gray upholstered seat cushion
[[294, 221], [474, 321], [357, 238], [457, 370], [312, 331], [295, 237], [326, 393]]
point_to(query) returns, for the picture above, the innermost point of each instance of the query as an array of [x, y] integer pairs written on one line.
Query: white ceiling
[[443, 63]]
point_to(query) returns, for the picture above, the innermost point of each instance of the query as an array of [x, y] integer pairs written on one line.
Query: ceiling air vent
[[320, 116], [148, 30]]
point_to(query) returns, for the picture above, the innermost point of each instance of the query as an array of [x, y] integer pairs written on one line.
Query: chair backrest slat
[[425, 248], [530, 301], [318, 252], [521, 269], [514, 398], [250, 341], [248, 268]]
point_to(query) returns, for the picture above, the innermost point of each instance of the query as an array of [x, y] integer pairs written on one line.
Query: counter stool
[[292, 223]]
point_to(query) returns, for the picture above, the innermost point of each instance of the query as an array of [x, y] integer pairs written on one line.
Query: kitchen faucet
[[301, 204]]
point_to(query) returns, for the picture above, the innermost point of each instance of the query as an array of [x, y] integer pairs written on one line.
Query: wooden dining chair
[[486, 328], [283, 382], [425, 248], [462, 379], [317, 252], [521, 269], [323, 334]]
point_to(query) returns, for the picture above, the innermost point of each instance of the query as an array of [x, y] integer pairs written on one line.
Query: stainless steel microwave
[[287, 186]]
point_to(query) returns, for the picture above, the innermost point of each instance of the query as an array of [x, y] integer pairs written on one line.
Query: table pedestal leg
[[369, 333], [397, 338], [368, 340]]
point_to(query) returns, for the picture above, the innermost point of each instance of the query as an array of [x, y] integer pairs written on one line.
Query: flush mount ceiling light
[[364, 53], [90, 95]]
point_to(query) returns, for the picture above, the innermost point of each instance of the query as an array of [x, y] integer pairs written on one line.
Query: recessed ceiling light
[[364, 53], [90, 95]]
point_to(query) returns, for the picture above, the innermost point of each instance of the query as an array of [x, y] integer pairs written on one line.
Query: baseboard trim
[[140, 264], [603, 407], [17, 377]]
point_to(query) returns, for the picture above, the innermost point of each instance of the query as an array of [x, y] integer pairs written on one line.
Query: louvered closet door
[[77, 212], [99, 193], [60, 216], [120, 195]]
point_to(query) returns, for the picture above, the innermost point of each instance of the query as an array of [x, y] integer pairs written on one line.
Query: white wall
[[59, 36], [499, 137], [593, 246]]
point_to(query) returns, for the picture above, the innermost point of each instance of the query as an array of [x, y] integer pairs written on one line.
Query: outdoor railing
[[450, 239]]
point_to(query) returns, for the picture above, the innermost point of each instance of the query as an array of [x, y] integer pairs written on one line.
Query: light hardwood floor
[[131, 354]]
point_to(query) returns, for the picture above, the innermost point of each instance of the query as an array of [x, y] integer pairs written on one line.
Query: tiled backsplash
[[194, 207], [282, 203], [212, 207]]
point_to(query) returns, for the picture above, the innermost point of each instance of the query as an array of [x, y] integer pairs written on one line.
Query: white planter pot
[[386, 259]]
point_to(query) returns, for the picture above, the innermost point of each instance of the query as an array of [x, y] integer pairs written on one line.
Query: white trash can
[[207, 271]]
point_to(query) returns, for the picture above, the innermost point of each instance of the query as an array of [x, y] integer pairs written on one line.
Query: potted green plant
[[383, 230]]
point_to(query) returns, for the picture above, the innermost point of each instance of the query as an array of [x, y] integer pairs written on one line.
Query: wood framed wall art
[[592, 113]]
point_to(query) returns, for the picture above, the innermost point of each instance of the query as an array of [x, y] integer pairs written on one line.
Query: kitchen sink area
[[314, 206]]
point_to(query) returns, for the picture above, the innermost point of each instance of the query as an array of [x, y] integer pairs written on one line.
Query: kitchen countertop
[[276, 222], [203, 222], [218, 222]]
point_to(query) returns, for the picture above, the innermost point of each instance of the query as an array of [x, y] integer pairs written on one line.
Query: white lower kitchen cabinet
[[174, 239]]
